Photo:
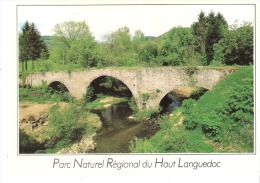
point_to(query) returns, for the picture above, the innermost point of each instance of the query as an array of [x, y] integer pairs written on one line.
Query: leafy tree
[[73, 43], [137, 40], [178, 47], [31, 47], [148, 51], [236, 47], [119, 46]]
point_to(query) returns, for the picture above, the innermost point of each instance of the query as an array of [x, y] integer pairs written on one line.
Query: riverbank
[[104, 101], [39, 133], [220, 121]]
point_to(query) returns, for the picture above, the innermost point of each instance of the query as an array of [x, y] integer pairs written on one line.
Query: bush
[[89, 94], [132, 105], [190, 121], [68, 125]]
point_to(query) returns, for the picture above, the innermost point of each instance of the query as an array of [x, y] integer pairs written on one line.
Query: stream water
[[118, 130]]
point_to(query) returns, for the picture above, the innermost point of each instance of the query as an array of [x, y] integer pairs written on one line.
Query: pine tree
[[31, 47], [208, 31], [199, 33]]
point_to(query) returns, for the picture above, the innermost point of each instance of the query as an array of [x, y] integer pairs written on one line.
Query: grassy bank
[[222, 120], [104, 101]]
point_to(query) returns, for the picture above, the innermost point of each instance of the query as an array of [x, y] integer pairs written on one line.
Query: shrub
[[68, 125], [190, 120]]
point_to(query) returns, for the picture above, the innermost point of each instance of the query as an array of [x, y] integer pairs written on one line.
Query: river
[[118, 130]]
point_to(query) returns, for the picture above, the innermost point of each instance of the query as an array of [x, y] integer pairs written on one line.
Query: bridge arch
[[167, 91], [129, 83], [58, 86], [181, 92], [94, 82]]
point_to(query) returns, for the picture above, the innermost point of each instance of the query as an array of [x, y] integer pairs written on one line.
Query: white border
[[239, 168]]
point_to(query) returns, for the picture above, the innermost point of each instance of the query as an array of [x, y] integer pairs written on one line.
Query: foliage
[[222, 120], [178, 48], [236, 47], [229, 106], [171, 140], [68, 126], [73, 43], [148, 51], [144, 98], [27, 144], [119, 48], [189, 121], [89, 94], [143, 114], [133, 106], [207, 42], [42, 94], [48, 65], [208, 30]]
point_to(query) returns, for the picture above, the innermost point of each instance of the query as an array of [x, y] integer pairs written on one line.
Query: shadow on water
[[118, 130]]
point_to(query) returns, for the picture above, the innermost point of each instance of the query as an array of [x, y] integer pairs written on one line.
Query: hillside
[[222, 120], [47, 40]]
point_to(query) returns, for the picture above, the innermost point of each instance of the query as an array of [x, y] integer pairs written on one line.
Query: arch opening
[[170, 102], [109, 86], [60, 89], [173, 99]]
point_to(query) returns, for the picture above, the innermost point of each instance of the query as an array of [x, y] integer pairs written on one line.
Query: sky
[[153, 20]]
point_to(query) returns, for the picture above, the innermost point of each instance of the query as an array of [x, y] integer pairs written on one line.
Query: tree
[[148, 51], [237, 46], [73, 43], [216, 26], [120, 46], [199, 33], [178, 47], [137, 41], [31, 47], [208, 30]]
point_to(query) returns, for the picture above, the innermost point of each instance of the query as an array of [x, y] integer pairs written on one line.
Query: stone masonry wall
[[154, 82]]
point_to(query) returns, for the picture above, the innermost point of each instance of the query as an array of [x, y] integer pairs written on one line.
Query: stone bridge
[[154, 82]]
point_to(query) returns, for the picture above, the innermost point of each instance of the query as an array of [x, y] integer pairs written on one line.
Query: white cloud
[[151, 19]]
